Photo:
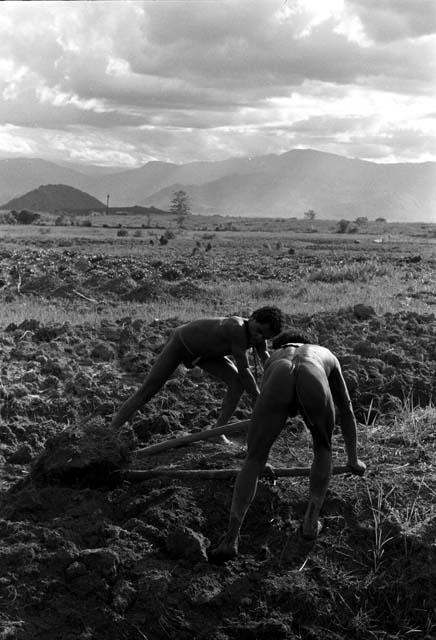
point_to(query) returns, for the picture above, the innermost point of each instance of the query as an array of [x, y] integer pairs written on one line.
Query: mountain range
[[284, 185]]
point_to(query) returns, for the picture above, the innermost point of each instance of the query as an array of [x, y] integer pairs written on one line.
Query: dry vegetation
[[85, 555]]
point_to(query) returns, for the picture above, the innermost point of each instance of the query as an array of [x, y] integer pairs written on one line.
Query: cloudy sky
[[120, 83]]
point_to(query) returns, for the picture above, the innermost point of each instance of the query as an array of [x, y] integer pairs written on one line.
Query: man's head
[[292, 336], [266, 322]]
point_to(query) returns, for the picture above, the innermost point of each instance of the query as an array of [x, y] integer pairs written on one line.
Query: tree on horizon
[[180, 206], [310, 214]]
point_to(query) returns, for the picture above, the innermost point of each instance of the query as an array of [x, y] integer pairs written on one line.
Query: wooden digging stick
[[143, 474], [233, 427]]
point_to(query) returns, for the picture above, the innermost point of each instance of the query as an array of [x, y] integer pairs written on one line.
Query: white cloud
[[14, 143], [193, 80], [391, 20]]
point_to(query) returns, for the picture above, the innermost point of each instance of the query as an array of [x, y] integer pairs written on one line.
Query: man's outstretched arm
[[262, 352], [245, 375], [348, 420]]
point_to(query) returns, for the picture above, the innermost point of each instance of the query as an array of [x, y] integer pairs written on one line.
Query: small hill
[[20, 175], [53, 198]]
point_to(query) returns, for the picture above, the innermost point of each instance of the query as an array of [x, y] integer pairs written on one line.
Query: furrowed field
[[87, 555]]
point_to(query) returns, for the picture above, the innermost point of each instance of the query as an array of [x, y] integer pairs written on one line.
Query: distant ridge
[[284, 185], [54, 197]]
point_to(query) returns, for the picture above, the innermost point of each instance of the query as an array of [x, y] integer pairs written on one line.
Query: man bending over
[[303, 378], [207, 343]]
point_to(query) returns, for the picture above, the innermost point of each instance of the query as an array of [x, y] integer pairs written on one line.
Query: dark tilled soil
[[87, 555]]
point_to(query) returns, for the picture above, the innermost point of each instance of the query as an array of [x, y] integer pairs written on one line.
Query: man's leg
[[246, 482], [268, 419], [317, 408], [225, 370], [320, 473], [164, 366]]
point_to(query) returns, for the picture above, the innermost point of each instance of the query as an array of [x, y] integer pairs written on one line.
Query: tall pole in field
[[107, 204]]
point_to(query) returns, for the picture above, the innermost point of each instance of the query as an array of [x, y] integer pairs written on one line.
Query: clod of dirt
[[85, 455], [102, 352], [363, 311], [183, 542], [23, 455]]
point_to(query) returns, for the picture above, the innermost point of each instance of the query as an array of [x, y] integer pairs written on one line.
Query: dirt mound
[[87, 454], [42, 285], [149, 290], [187, 289]]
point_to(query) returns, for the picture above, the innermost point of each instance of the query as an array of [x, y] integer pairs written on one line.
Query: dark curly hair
[[272, 316], [293, 336]]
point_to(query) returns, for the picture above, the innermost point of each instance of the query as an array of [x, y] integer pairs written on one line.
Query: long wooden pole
[[233, 427], [143, 474]]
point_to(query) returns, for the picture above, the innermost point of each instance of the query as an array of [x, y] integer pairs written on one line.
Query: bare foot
[[268, 472], [357, 468], [223, 552], [311, 532], [222, 439]]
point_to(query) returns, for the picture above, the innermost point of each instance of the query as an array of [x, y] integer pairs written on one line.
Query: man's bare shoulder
[[233, 321], [286, 352], [316, 354], [233, 328], [219, 330], [201, 323], [218, 320]]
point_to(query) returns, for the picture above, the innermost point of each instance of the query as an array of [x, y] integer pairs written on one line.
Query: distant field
[[235, 264], [232, 224]]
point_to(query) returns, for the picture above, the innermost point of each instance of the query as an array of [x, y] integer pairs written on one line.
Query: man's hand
[[268, 473], [358, 467]]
